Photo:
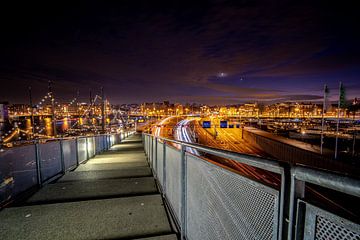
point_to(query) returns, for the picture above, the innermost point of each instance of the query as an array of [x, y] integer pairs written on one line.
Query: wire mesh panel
[[224, 205], [105, 145], [122, 136], [160, 162], [69, 153], [108, 141], [90, 147], [17, 171], [117, 139], [146, 144], [151, 150], [99, 144], [50, 159], [82, 154], [322, 225], [173, 181], [153, 154], [112, 140]]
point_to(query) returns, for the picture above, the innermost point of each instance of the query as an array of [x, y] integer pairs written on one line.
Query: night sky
[[212, 52]]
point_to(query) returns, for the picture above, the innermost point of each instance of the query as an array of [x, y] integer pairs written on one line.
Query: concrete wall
[[293, 154]]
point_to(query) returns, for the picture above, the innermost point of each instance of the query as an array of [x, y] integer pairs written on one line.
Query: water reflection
[[42, 126], [65, 124]]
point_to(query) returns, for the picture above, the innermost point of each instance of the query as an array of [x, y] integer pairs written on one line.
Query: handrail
[[338, 183], [37, 144], [290, 192], [41, 140], [266, 164]]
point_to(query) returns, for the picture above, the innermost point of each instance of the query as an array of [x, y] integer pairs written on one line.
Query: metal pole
[[322, 121], [183, 191], [354, 136], [53, 109], [103, 110], [77, 151], [337, 122], [156, 159], [32, 113], [87, 148], [151, 152], [164, 168], [38, 164], [62, 156]]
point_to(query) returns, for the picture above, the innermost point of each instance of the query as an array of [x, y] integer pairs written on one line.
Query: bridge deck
[[111, 196]]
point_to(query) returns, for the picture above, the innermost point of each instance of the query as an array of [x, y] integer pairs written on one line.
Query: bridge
[[132, 186]]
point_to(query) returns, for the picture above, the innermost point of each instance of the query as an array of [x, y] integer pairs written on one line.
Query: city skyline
[[211, 52]]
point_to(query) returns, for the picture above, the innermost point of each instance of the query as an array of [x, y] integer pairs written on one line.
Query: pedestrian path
[[111, 196]]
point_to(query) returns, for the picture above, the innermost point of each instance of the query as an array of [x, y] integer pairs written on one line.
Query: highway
[[184, 133], [165, 127], [230, 139], [186, 130]]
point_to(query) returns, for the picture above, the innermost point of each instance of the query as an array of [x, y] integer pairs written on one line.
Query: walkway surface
[[111, 196]]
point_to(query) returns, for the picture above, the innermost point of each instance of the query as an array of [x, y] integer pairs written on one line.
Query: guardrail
[[208, 201], [30, 166]]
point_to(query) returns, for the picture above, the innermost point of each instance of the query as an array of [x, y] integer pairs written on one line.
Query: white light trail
[[182, 134]]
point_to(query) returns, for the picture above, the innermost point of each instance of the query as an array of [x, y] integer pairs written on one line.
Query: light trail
[[157, 132], [182, 134]]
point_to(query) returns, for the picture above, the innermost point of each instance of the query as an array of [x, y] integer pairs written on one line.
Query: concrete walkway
[[111, 196]]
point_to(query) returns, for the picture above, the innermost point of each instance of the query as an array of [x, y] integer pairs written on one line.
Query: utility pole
[[103, 110], [323, 118], [90, 107], [32, 113], [53, 108], [338, 119]]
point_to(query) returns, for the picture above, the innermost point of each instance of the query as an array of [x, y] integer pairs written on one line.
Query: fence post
[[87, 148], [38, 164], [77, 151], [183, 191], [297, 189], [164, 168], [155, 157], [62, 156], [151, 152]]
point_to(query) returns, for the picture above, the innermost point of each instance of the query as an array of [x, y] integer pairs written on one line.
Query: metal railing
[[209, 201], [30, 166]]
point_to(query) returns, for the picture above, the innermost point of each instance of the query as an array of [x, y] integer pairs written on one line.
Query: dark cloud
[[148, 51]]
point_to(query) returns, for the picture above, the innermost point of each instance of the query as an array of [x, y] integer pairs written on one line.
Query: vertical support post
[[155, 157], [149, 147], [77, 151], [164, 168], [103, 118], [183, 191], [151, 152], [62, 156], [297, 190], [38, 164], [87, 148], [143, 143], [52, 109], [32, 114]]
